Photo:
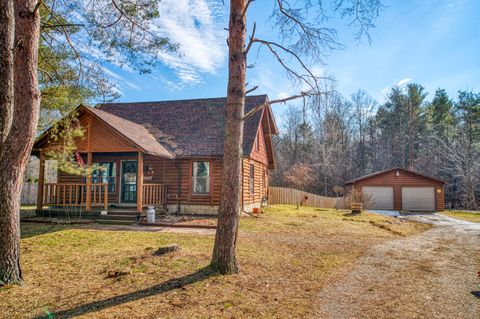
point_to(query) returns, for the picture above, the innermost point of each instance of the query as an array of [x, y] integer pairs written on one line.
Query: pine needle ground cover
[[286, 257]]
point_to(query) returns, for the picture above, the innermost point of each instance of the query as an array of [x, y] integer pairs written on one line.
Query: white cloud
[[198, 26], [283, 95], [403, 81], [120, 80]]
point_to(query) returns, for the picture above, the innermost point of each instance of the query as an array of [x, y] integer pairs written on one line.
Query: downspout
[[179, 186]]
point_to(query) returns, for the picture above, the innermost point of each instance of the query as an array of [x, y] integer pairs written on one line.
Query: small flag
[[79, 159]]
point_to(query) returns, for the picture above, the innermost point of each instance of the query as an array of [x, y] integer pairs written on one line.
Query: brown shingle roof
[[188, 127], [137, 134], [392, 169]]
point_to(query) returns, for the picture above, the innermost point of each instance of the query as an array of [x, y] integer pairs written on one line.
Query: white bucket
[[103, 212], [151, 214]]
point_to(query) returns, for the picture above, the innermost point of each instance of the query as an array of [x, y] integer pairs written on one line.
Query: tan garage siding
[[382, 196], [405, 178], [418, 198]]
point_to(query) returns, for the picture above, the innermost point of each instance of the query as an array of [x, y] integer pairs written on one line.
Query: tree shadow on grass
[[172, 284], [28, 229], [351, 214]]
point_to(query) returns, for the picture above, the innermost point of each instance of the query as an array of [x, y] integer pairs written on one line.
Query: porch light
[[439, 190], [398, 173]]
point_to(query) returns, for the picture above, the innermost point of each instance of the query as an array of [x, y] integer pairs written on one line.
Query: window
[[252, 179], [201, 178], [257, 142], [105, 173]]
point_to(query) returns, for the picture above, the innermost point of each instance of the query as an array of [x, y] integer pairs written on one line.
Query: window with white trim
[[201, 177]]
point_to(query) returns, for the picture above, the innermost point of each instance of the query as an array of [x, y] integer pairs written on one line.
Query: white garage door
[[418, 198], [382, 196]]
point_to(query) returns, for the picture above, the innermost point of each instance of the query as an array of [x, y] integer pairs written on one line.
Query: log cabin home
[[166, 153]]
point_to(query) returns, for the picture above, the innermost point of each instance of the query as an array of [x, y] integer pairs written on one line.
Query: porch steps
[[123, 212], [118, 216]]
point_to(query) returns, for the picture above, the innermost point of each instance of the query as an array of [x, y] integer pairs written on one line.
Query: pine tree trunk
[[224, 259], [7, 36], [19, 137]]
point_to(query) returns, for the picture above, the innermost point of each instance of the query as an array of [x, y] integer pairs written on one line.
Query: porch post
[[41, 181], [140, 183], [88, 197]]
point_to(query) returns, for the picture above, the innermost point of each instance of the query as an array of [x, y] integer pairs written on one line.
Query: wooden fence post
[[105, 195]]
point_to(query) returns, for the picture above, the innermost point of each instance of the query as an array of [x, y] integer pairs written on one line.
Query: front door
[[129, 182]]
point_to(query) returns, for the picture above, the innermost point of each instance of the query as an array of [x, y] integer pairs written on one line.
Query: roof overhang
[[152, 148], [353, 181]]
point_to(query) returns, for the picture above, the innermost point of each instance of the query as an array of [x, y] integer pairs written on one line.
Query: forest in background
[[331, 139]]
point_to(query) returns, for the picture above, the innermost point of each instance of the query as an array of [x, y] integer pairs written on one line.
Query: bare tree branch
[[283, 100], [249, 2], [47, 26], [37, 7], [251, 90], [252, 37], [309, 79]]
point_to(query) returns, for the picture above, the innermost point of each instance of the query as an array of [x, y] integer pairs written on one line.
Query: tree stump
[[167, 249], [356, 208]]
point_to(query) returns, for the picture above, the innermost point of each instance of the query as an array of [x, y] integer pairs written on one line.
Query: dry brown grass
[[286, 256]]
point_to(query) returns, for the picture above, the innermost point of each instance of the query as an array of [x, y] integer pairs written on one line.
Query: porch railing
[[154, 194], [74, 194]]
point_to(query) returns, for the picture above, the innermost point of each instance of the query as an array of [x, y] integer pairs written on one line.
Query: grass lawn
[[28, 207], [286, 256], [470, 216]]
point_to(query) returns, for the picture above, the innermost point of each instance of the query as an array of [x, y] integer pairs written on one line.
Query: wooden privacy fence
[[29, 193], [290, 196]]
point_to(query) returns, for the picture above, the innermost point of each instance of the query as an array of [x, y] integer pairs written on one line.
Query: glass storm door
[[129, 182]]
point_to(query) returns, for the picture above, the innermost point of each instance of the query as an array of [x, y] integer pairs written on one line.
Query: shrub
[[365, 199]]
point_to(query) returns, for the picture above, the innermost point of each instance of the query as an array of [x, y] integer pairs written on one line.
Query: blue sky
[[433, 42]]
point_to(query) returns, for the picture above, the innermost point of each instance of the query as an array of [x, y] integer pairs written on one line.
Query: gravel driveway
[[430, 275]]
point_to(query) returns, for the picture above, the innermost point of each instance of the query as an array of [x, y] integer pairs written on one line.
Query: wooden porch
[[59, 194], [75, 195], [109, 144], [90, 195]]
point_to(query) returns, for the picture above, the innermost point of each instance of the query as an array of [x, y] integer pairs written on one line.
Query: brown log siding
[[259, 190], [260, 155], [168, 171]]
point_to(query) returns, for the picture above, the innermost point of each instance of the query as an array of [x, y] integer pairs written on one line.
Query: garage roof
[[393, 169]]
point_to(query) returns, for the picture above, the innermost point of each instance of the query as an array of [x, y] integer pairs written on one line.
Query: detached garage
[[401, 189]]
